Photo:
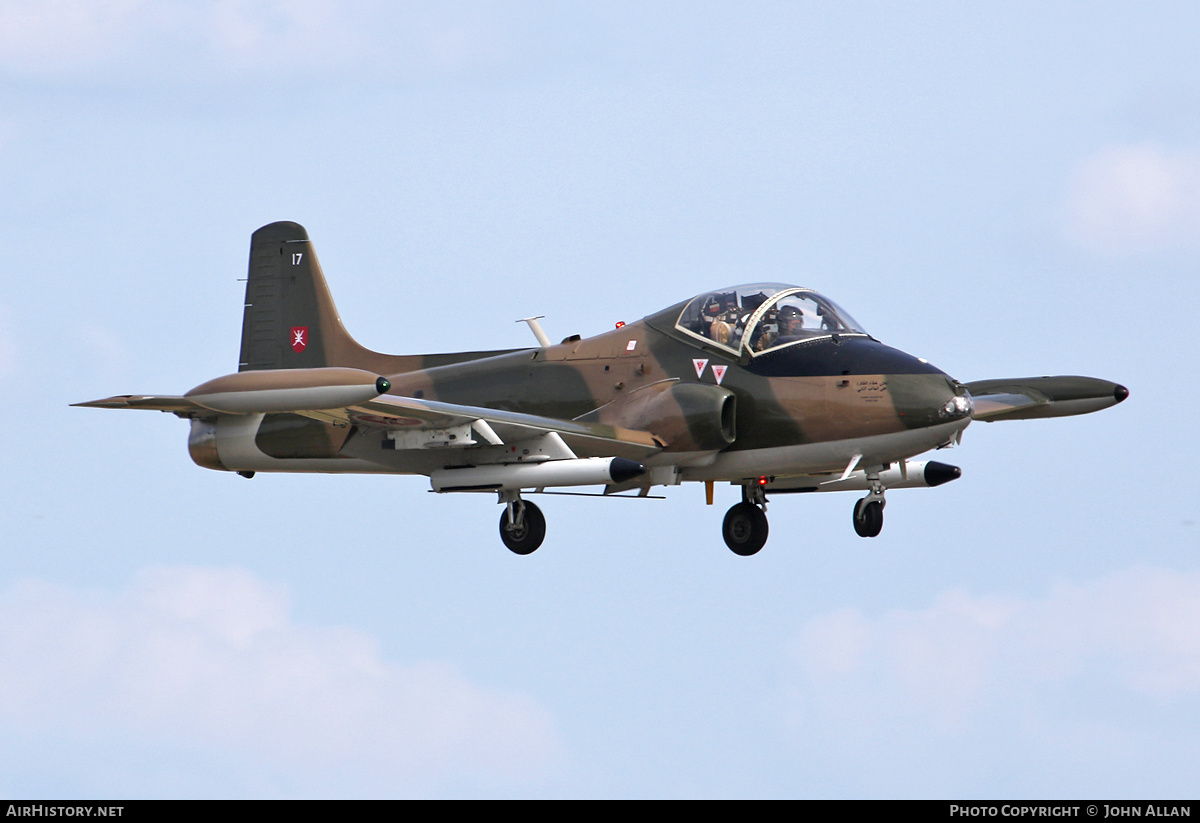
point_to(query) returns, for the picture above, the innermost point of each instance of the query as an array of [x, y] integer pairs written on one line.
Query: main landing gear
[[868, 512], [745, 528], [522, 525]]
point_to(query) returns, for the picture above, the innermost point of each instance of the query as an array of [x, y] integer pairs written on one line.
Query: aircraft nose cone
[[1120, 393]]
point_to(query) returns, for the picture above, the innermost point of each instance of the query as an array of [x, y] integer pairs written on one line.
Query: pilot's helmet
[[789, 316]]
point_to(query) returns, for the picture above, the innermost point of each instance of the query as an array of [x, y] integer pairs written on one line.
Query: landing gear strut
[[522, 526], [745, 528], [868, 512]]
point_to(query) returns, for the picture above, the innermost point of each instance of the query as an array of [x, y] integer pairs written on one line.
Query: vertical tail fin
[[290, 321]]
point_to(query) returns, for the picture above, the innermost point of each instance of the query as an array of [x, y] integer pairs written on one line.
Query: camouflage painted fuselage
[[851, 389], [768, 386]]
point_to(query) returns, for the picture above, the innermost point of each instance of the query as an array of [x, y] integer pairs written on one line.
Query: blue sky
[[1006, 189]]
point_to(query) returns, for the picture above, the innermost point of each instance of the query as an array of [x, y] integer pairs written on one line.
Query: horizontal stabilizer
[[151, 402], [262, 392]]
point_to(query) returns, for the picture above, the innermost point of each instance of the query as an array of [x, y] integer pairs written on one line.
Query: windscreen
[[797, 316], [761, 317]]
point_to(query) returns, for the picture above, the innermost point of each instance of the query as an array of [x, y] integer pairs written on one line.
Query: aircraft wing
[[414, 423], [1028, 398]]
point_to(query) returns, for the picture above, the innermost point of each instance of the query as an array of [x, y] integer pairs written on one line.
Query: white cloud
[[36, 36], [209, 661], [1092, 681], [75, 38], [1135, 198]]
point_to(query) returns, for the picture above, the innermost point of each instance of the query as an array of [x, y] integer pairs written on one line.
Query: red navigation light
[[762, 481], [620, 324]]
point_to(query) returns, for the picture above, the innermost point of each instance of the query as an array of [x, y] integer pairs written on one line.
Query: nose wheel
[[522, 526], [868, 517], [868, 512]]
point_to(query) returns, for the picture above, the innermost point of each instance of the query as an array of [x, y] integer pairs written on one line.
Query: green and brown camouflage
[[767, 386]]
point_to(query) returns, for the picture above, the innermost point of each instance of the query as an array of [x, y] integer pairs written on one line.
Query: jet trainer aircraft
[[769, 387]]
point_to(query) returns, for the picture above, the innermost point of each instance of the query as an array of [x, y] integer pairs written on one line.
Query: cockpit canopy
[[763, 317]]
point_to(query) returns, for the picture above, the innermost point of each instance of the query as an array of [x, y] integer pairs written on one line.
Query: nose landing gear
[[868, 512], [745, 527]]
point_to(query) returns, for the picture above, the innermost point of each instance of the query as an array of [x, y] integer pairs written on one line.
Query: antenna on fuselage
[[536, 328]]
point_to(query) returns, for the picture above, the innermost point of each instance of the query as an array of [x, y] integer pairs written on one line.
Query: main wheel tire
[[868, 518], [531, 533], [745, 529]]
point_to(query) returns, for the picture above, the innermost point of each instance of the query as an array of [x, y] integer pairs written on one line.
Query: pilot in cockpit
[[791, 322], [718, 328], [777, 327]]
